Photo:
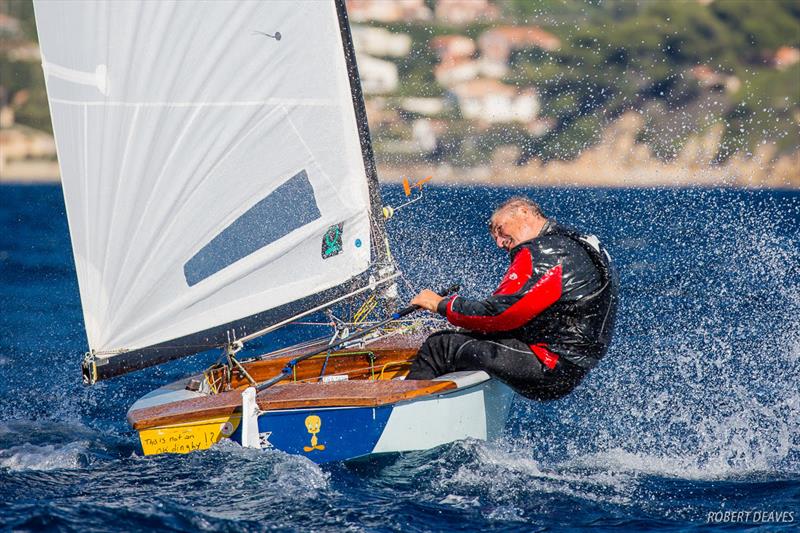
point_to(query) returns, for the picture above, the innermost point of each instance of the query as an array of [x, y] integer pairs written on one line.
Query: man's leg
[[513, 362], [509, 360], [435, 356]]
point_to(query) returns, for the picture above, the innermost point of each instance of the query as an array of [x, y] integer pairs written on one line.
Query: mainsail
[[216, 168]]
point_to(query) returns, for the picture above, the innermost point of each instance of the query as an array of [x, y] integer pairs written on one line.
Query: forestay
[[216, 178]]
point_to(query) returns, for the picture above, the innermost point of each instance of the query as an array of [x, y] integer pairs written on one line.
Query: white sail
[[205, 150]]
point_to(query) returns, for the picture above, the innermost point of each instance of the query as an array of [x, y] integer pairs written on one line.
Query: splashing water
[[694, 410]]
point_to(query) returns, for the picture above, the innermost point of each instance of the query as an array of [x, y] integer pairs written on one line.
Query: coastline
[[616, 161], [27, 172], [566, 176], [557, 174]]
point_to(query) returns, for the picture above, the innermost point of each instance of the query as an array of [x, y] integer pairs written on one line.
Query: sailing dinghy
[[220, 184]]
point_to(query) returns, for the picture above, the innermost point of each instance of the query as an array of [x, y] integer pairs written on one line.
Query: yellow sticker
[[185, 438], [313, 425]]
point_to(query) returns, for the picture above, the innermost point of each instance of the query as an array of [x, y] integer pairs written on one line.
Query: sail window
[[287, 208]]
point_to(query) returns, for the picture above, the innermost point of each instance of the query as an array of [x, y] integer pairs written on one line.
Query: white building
[[380, 42], [456, 71], [377, 76], [492, 102], [422, 105], [425, 135], [448, 47], [462, 12], [388, 10]]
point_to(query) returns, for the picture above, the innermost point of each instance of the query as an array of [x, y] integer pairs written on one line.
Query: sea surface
[[690, 422]]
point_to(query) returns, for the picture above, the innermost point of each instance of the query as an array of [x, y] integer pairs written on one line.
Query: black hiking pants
[[507, 359]]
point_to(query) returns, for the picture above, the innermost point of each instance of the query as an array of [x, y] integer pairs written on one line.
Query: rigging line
[[366, 308], [273, 327], [242, 370], [325, 363], [374, 240], [410, 286], [362, 323]]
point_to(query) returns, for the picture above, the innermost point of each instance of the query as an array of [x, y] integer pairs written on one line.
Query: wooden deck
[[360, 393], [369, 371]]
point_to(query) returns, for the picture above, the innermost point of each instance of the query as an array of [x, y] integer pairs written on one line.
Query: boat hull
[[478, 411], [344, 405], [477, 408]]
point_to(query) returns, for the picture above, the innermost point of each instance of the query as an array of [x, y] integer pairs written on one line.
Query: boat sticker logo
[[263, 440], [313, 425], [332, 241]]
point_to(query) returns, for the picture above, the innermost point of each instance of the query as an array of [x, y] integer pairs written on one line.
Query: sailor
[[548, 322]]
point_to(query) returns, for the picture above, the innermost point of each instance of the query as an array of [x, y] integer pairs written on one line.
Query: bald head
[[515, 221]]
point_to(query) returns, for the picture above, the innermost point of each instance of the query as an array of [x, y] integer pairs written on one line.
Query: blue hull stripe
[[341, 433]]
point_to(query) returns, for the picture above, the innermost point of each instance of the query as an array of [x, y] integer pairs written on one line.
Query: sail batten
[[218, 180], [270, 101]]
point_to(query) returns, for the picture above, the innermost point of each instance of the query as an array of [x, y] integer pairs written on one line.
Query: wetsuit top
[[559, 296]]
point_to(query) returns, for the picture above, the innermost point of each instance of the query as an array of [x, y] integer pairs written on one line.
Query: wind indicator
[[388, 211]]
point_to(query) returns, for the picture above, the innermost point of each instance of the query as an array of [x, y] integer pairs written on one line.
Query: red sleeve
[[524, 292]]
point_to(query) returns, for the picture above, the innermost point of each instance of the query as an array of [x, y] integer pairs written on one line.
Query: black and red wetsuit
[[548, 322]]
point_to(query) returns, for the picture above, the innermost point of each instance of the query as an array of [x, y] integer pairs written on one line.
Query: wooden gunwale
[[359, 393]]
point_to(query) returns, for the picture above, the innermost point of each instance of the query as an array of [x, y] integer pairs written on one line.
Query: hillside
[[522, 83]]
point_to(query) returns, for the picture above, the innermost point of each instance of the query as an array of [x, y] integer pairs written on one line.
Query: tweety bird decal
[[313, 425]]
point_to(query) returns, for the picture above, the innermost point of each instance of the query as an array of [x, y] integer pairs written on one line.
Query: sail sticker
[[332, 241], [289, 207]]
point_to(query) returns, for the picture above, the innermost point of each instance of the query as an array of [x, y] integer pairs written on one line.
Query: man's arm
[[530, 286]]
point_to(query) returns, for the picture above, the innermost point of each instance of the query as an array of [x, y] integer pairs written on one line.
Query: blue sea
[[690, 422]]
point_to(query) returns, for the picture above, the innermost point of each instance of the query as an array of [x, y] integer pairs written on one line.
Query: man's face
[[509, 227]]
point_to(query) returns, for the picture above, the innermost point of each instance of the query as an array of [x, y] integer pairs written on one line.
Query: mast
[[376, 204]]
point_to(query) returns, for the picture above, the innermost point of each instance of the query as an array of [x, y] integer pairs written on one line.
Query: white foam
[[48, 457], [289, 474], [506, 475]]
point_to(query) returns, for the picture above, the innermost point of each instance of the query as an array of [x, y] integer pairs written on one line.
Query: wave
[[69, 456]]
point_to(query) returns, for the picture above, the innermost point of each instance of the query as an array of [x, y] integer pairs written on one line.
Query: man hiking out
[[548, 322]]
